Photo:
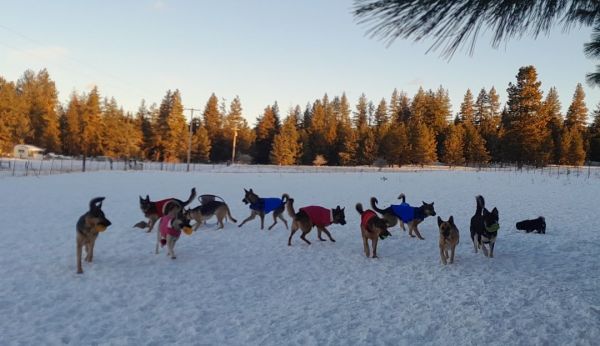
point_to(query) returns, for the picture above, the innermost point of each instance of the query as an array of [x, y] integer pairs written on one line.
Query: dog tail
[[359, 208], [374, 205], [285, 197], [229, 214], [289, 206], [402, 197], [96, 202], [480, 204], [191, 198]]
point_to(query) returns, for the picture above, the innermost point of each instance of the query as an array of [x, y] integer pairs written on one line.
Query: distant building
[[26, 151]]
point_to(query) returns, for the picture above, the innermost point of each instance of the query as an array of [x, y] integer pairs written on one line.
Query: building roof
[[29, 147]]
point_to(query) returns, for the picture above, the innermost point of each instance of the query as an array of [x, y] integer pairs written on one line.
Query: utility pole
[[189, 153], [234, 141]]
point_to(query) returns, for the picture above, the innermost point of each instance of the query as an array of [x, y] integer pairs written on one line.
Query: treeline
[[528, 129]]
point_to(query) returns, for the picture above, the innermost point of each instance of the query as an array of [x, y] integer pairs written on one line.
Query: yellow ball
[[187, 230], [100, 228]]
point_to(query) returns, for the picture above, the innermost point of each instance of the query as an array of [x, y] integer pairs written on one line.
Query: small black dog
[[537, 225]]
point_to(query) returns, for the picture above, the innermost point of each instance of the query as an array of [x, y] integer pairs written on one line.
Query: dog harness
[[267, 204], [406, 213], [166, 228], [319, 216], [365, 217]]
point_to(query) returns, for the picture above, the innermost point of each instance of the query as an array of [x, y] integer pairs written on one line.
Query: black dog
[[538, 225], [484, 227]]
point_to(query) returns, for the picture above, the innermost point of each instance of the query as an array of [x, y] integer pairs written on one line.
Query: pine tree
[[395, 110], [395, 148], [366, 147], [594, 133], [422, 143], [474, 145], [346, 136], [200, 144], [143, 121], [14, 122], [454, 146], [489, 123], [418, 107], [286, 147], [235, 124], [575, 150], [71, 126], [578, 112], [467, 108], [361, 115], [524, 123], [41, 99], [554, 120], [213, 123], [91, 125], [265, 133]]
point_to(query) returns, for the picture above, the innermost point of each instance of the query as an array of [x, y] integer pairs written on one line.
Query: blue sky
[[285, 50]]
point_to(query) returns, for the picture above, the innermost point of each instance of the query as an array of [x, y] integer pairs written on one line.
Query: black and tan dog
[[406, 214], [538, 225], [371, 227], [262, 206], [170, 227], [484, 227], [88, 227], [449, 238], [154, 210], [208, 209], [313, 216]]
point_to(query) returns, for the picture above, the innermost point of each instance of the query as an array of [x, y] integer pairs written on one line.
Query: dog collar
[[493, 228]]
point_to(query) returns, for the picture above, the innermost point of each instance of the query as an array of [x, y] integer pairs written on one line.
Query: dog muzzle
[[187, 230], [493, 228]]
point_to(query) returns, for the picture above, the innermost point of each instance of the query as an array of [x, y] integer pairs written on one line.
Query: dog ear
[[424, 203], [439, 221], [246, 191], [148, 198], [451, 220], [495, 211]]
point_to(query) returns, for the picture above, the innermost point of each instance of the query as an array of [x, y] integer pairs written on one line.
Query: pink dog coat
[[166, 228], [319, 216]]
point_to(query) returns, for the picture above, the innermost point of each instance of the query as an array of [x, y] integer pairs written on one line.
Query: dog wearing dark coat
[[371, 227], [88, 226], [262, 206], [154, 210], [313, 216], [484, 227], [538, 225], [405, 213]]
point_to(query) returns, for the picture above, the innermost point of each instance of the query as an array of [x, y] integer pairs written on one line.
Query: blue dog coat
[[406, 213], [267, 204]]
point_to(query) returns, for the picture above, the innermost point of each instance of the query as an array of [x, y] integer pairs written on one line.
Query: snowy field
[[247, 287]]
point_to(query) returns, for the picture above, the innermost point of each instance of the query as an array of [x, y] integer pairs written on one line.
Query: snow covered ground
[[247, 287]]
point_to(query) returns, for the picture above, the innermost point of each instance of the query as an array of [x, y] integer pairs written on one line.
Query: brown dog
[[207, 210], [372, 227], [449, 238], [310, 216], [88, 226], [154, 210]]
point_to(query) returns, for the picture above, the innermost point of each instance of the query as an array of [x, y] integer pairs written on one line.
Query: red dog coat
[[366, 216], [319, 216]]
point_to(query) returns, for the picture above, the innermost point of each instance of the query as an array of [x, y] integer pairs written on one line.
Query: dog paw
[[79, 271], [333, 240]]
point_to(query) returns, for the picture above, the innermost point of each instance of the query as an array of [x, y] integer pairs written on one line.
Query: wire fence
[[18, 168]]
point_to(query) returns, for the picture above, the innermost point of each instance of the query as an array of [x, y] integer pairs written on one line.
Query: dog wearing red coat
[[372, 227], [313, 216]]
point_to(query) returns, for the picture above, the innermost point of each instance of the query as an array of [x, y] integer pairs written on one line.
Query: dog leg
[[416, 231], [374, 243], [151, 223], [280, 216], [402, 226], [157, 242], [262, 220], [452, 254], [294, 229], [90, 255], [492, 249], [79, 250], [274, 221], [319, 231], [366, 246], [171, 246], [442, 255], [303, 235], [485, 251], [251, 217], [328, 234], [220, 221], [474, 244]]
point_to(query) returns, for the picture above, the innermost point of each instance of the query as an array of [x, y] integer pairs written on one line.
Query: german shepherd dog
[[449, 238], [538, 225], [262, 206], [170, 226], [154, 210], [406, 213], [371, 227], [207, 210], [310, 216], [88, 226], [484, 227]]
